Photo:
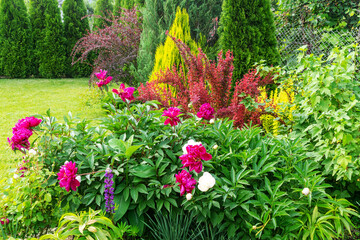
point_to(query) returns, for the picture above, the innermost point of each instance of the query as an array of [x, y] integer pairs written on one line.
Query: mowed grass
[[20, 98]]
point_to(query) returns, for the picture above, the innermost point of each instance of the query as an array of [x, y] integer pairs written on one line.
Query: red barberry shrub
[[203, 81], [116, 45]]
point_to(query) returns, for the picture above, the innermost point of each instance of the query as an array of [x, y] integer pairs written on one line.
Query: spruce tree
[[15, 39], [103, 8], [74, 29], [247, 29], [50, 55]]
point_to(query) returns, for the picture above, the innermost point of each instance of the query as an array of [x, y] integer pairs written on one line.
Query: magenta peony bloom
[[125, 93], [172, 114], [187, 183], [67, 176], [206, 111], [28, 123], [102, 77], [20, 139], [195, 153], [4, 221]]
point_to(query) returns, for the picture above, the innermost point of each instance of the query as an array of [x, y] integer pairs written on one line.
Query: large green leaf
[[123, 206]]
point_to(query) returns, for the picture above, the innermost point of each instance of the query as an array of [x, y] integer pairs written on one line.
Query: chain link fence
[[318, 42]]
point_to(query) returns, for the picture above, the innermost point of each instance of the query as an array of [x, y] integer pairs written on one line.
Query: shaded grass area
[[20, 98]]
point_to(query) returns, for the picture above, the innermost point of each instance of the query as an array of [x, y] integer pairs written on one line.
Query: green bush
[[16, 47], [75, 28], [259, 179], [328, 111], [28, 199], [50, 53], [247, 29], [103, 8]]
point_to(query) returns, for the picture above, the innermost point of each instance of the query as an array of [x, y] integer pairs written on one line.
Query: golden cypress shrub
[[167, 54]]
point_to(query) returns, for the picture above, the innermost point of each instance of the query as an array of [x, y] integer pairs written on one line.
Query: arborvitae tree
[[50, 55], [103, 8], [248, 30], [128, 4], [158, 15], [74, 29], [15, 39], [168, 54]]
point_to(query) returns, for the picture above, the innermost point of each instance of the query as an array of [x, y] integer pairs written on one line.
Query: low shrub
[[264, 186]]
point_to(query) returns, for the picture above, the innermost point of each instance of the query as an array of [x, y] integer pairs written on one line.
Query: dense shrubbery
[[265, 187], [116, 45]]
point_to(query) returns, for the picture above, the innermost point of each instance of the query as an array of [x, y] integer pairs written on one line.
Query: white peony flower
[[16, 176], [78, 178], [32, 152], [189, 196], [190, 142], [306, 191], [206, 181], [203, 188], [212, 121], [215, 147]]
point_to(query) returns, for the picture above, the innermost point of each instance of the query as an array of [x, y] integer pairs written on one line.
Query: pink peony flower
[[20, 139], [187, 183], [67, 176], [195, 153], [125, 93], [28, 123], [172, 114], [206, 111], [102, 77], [4, 221]]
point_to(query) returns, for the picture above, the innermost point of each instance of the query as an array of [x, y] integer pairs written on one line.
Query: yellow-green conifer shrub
[[167, 54], [281, 102]]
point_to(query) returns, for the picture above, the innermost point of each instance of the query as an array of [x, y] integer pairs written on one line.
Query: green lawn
[[24, 97]]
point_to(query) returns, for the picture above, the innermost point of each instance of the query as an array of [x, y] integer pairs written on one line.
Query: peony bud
[[212, 121], [78, 178], [189, 196], [215, 147], [32, 152], [306, 191], [92, 229]]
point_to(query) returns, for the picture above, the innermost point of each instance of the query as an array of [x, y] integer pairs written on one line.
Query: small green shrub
[[259, 179]]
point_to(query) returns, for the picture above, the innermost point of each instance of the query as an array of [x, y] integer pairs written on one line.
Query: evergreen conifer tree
[[74, 29], [15, 39], [247, 29], [128, 4], [158, 15], [50, 55], [103, 8], [167, 54]]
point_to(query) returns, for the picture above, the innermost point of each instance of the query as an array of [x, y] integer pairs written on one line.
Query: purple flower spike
[[109, 191]]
